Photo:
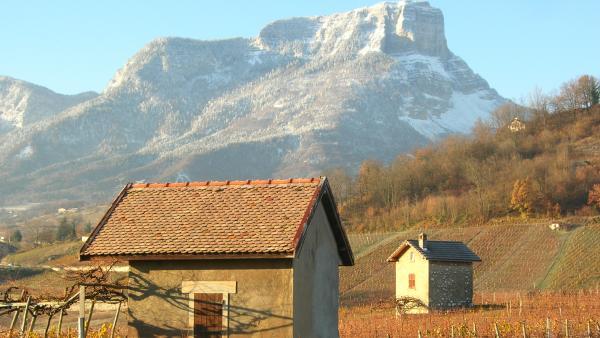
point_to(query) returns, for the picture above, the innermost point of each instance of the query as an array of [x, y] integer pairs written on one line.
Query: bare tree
[[581, 93], [587, 91], [504, 114], [567, 97], [540, 105]]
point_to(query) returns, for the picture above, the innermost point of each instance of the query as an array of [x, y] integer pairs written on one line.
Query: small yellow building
[[433, 275]]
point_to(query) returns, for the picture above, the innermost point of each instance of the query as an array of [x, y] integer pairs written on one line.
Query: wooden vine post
[[81, 319], [15, 316], [13, 322], [89, 319], [25, 314], [31, 324], [93, 281], [114, 323], [48, 325], [59, 325]]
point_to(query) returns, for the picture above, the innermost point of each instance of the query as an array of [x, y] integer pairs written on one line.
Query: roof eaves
[[400, 251], [308, 215], [342, 242], [162, 257], [120, 196]]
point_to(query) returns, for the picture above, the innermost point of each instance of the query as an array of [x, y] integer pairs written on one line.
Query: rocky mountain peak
[[399, 27], [421, 27]]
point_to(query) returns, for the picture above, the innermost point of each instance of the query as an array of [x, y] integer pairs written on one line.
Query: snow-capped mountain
[[305, 95], [23, 103]]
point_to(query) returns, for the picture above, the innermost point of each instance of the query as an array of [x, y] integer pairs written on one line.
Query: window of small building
[[411, 281], [412, 256], [208, 315]]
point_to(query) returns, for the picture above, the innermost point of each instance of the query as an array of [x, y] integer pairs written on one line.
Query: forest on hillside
[[538, 159]]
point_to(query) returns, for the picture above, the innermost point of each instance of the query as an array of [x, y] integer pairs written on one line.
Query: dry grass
[[45, 255], [509, 312]]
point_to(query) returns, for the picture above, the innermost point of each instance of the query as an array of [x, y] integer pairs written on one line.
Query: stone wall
[[451, 285]]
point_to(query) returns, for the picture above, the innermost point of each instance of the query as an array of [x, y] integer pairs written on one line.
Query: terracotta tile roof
[[206, 218]]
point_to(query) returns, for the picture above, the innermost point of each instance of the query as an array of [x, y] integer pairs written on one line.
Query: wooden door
[[208, 315]]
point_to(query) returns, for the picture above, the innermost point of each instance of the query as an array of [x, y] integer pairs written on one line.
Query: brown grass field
[[510, 313]]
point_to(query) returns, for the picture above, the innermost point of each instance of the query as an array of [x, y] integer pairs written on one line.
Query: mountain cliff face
[[306, 94]]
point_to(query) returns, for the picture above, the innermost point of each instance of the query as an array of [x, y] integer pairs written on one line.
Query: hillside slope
[[514, 257]]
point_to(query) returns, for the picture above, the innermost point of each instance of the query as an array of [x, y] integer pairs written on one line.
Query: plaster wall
[[413, 262], [316, 281], [261, 306]]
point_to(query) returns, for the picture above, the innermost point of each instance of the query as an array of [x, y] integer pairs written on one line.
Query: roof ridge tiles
[[228, 183]]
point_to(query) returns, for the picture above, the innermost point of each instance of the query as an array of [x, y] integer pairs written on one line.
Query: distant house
[[516, 125], [433, 275], [235, 258]]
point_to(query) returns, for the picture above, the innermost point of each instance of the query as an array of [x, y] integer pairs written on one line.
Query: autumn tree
[[567, 97], [539, 103], [587, 91], [581, 93], [524, 198], [594, 196], [369, 179], [341, 184]]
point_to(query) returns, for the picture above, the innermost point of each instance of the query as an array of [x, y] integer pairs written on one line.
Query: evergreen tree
[[65, 230], [17, 236], [87, 228]]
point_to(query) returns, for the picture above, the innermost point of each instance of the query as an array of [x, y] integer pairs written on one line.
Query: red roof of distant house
[[212, 219]]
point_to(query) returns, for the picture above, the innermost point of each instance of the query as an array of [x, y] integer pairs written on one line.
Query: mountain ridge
[[23, 103], [304, 95]]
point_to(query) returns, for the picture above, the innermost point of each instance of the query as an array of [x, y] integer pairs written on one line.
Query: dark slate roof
[[444, 251]]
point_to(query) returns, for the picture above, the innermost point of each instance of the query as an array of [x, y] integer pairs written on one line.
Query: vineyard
[[531, 279], [508, 314]]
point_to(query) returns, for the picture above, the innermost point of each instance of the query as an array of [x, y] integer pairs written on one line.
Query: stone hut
[[433, 275], [227, 259]]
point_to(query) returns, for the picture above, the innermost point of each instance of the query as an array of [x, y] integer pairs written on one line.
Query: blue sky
[[74, 46]]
